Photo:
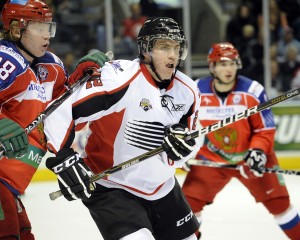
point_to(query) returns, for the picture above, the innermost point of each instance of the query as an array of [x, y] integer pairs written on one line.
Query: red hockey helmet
[[24, 11], [222, 52]]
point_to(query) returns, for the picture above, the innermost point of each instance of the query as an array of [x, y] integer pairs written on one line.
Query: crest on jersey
[[237, 98], [227, 137], [145, 104], [40, 129], [167, 102], [42, 73]]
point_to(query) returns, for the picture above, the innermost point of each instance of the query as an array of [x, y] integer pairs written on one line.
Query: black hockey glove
[[255, 161], [174, 143], [72, 173], [13, 139]]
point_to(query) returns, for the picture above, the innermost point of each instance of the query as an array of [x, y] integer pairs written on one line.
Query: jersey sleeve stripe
[[97, 102]]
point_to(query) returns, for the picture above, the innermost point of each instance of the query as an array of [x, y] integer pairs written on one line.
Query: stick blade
[[110, 55]]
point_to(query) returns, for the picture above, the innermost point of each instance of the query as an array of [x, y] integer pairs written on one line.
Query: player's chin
[[169, 72], [167, 76], [41, 52], [228, 79]]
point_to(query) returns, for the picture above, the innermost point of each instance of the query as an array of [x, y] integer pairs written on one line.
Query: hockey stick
[[55, 104], [114, 169], [211, 128], [206, 163]]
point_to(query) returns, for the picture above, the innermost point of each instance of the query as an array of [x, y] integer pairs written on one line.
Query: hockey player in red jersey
[[30, 77], [128, 112], [248, 142]]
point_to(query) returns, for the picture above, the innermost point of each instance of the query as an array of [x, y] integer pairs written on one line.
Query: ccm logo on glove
[[73, 174], [66, 164]]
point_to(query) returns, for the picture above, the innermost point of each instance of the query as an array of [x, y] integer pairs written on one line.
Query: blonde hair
[[8, 35]]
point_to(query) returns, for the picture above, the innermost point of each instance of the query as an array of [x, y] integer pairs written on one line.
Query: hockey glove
[[72, 173], [13, 139], [91, 61], [174, 143], [255, 162]]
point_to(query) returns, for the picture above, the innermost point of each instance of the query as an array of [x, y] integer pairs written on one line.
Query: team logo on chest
[[227, 137], [237, 99], [167, 102], [145, 104], [42, 73]]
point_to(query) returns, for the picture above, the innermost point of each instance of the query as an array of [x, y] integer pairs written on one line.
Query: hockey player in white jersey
[[136, 107]]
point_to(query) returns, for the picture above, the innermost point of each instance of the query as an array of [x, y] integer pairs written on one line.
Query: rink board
[[43, 174]]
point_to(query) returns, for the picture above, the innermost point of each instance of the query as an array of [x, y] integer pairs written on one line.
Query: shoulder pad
[[12, 64], [252, 87], [50, 58], [204, 84]]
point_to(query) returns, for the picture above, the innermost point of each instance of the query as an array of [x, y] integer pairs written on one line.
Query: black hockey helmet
[[156, 28]]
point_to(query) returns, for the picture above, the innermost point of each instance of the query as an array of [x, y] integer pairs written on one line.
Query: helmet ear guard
[[161, 28]]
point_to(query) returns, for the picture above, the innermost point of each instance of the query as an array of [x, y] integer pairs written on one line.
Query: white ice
[[233, 216]]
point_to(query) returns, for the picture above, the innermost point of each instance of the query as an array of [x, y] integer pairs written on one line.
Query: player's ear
[[147, 57], [15, 32], [211, 67]]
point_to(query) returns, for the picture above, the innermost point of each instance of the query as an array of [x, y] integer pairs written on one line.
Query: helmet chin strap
[[151, 64], [21, 46]]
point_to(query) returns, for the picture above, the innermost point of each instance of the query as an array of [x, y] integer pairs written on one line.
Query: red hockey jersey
[[230, 144], [25, 91]]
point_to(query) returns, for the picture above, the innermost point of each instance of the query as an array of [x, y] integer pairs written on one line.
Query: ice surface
[[233, 216]]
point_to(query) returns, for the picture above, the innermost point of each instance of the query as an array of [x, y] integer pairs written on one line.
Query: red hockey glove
[[255, 161], [91, 61]]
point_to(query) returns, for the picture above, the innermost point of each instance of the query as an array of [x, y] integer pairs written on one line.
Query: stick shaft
[[207, 163], [205, 130], [117, 168], [56, 103], [248, 112]]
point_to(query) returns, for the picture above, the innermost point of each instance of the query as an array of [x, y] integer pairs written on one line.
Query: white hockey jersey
[[127, 115]]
